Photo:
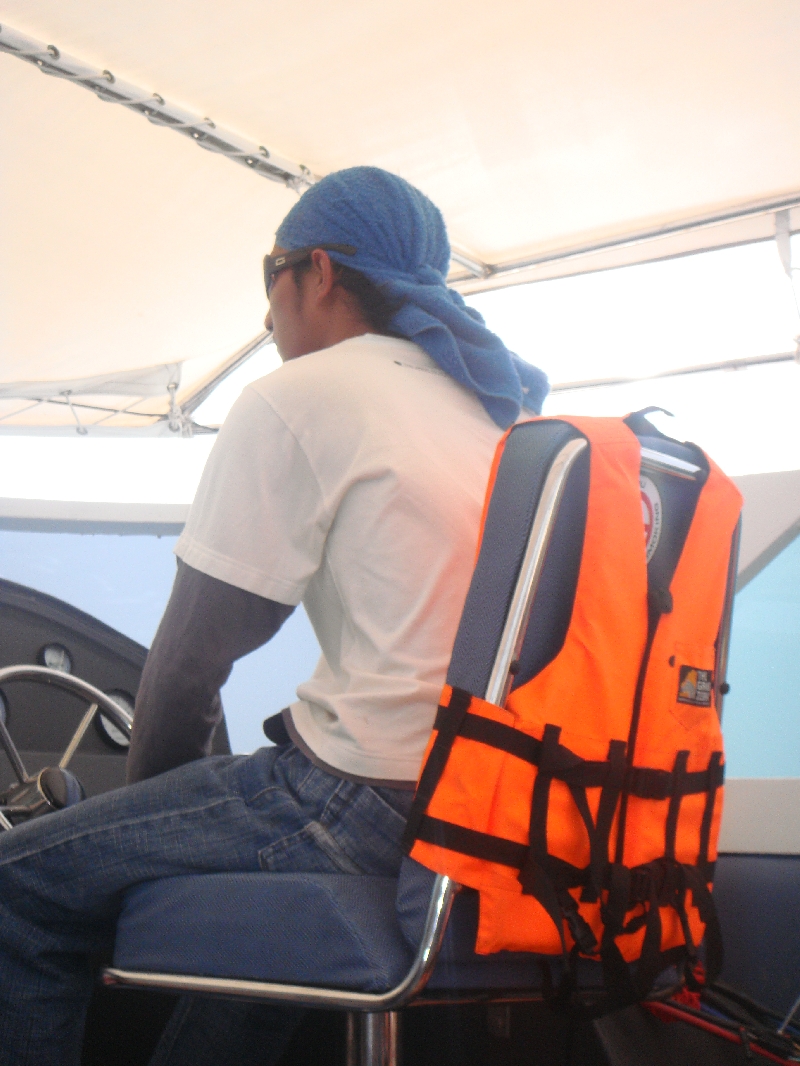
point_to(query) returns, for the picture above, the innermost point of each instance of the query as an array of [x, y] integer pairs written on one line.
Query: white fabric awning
[[565, 135]]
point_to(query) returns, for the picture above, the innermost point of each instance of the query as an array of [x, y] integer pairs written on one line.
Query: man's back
[[371, 464]]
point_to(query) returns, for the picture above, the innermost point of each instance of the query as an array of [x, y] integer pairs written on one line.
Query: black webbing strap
[[715, 770], [670, 883], [659, 884], [599, 837], [593, 886], [650, 964], [617, 900], [616, 974], [654, 884], [676, 889], [678, 774], [652, 625], [533, 876], [447, 732], [540, 802], [540, 877], [472, 842], [663, 882], [495, 735], [495, 849], [644, 885], [640, 781], [669, 886], [704, 901]]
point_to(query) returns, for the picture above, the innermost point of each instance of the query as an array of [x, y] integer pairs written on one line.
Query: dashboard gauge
[[56, 657], [3, 708], [110, 732]]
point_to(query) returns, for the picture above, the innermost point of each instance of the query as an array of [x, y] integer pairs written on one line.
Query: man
[[352, 480]]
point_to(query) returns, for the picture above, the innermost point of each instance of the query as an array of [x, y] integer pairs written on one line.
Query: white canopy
[[557, 137]]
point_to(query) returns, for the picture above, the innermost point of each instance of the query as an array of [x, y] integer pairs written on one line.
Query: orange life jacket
[[586, 810]]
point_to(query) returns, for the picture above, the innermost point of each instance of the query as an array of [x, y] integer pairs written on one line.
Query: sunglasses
[[274, 264]]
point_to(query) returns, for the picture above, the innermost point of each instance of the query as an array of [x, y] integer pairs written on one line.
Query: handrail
[[724, 636], [530, 571]]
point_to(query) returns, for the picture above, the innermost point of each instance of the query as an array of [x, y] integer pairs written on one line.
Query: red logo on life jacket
[[651, 515]]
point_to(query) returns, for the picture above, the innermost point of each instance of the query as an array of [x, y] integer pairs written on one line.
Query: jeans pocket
[[311, 849]]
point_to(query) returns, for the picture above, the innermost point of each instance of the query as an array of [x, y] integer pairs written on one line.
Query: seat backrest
[[672, 477], [528, 455]]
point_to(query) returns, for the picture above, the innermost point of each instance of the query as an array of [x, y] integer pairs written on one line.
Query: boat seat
[[351, 932]]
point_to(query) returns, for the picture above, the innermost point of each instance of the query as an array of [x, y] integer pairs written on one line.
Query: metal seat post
[[373, 1038]]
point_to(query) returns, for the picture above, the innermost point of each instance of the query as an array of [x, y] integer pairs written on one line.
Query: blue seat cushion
[[317, 929], [342, 931]]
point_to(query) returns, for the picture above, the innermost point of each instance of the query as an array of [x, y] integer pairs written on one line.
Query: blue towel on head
[[402, 247]]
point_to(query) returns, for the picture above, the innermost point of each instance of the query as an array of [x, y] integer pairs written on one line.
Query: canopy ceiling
[[568, 135]]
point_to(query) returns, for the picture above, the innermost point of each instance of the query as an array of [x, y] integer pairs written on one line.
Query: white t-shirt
[[352, 479]]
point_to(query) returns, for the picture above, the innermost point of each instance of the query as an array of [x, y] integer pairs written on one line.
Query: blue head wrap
[[402, 247]]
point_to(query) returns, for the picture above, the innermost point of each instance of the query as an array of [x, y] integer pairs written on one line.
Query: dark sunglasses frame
[[274, 264]]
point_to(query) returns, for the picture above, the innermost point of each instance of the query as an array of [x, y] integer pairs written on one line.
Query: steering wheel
[[54, 787]]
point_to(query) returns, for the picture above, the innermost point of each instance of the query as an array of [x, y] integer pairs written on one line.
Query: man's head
[[320, 302], [351, 221], [391, 278]]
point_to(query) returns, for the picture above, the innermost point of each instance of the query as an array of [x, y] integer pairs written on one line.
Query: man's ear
[[322, 271]]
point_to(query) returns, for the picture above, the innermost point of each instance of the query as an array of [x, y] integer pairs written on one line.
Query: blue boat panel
[[758, 900], [125, 582], [761, 717]]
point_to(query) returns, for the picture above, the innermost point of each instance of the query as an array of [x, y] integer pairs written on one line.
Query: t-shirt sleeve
[[259, 518]]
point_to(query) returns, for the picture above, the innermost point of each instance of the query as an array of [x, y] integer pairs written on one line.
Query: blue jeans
[[62, 879]]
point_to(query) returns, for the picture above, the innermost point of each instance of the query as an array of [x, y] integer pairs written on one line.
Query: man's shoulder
[[368, 395], [348, 370]]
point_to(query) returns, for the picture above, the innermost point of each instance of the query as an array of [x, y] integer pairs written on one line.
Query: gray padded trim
[[529, 452]]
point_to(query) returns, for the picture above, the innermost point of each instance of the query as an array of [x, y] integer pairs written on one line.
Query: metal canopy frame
[[202, 130]]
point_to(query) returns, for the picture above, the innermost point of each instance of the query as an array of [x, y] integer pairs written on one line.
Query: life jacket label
[[651, 515], [695, 686]]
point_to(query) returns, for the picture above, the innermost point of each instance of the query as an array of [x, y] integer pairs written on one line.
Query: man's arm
[[207, 626]]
